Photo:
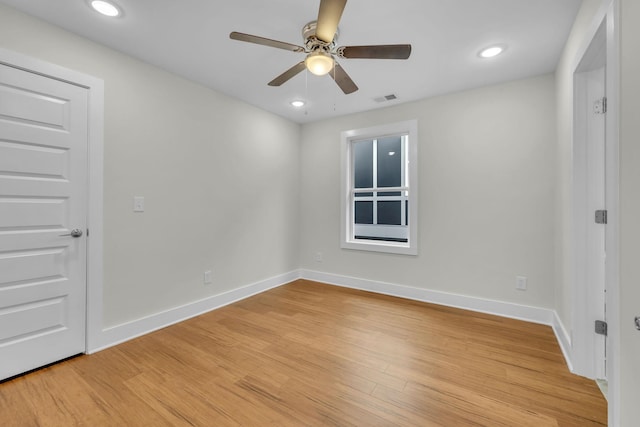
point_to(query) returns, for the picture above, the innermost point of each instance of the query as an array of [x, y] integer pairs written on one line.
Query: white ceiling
[[191, 38]]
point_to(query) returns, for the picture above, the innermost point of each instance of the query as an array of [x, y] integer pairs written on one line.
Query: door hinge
[[601, 327], [600, 106], [601, 216]]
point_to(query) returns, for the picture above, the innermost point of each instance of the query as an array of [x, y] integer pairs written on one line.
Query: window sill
[[384, 247]]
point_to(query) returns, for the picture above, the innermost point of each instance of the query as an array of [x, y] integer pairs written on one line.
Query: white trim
[[499, 308], [609, 11], [588, 189], [564, 340], [410, 128], [95, 88], [95, 237], [531, 314], [612, 266], [121, 333], [130, 330], [599, 16]]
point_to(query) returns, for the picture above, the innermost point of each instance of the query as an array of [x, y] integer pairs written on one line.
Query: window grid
[[403, 189]]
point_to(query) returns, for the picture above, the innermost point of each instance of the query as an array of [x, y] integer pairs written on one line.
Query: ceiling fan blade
[[328, 18], [291, 72], [265, 42], [389, 51], [342, 79]]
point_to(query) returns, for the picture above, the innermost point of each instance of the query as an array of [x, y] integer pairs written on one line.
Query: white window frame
[[347, 239]]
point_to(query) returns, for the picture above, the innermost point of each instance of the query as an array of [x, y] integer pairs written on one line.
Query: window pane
[[389, 213], [363, 164], [364, 194], [364, 213], [389, 162], [389, 193]]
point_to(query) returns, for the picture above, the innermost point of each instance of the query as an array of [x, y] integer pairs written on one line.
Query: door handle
[[76, 232]]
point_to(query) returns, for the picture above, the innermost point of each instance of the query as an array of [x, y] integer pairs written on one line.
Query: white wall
[[563, 214], [629, 351], [220, 178], [486, 180], [221, 181]]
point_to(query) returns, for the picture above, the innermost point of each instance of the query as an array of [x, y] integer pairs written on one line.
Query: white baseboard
[[539, 315], [118, 334], [499, 308], [564, 340]]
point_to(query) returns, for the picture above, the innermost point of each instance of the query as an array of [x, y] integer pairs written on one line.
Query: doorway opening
[[589, 348]]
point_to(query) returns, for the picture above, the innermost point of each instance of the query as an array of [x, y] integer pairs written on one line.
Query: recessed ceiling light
[[491, 52], [105, 8], [297, 104]]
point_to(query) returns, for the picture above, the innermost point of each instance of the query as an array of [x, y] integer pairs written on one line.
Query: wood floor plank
[[310, 354]]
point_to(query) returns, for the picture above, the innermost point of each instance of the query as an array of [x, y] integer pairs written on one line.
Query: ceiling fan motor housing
[[312, 43]]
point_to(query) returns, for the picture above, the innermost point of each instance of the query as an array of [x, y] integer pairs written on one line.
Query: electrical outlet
[[208, 279], [318, 256], [521, 283], [138, 204]]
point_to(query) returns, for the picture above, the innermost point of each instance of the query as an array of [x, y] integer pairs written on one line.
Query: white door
[[43, 197], [596, 201]]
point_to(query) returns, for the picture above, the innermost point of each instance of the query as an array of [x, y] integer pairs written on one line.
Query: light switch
[[138, 204]]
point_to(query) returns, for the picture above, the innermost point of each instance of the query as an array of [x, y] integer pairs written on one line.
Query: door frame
[[612, 239], [588, 295], [608, 13], [95, 176]]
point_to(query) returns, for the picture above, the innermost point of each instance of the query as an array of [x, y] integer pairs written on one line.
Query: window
[[379, 188]]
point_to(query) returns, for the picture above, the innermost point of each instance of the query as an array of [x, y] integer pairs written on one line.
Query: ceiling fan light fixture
[[319, 62], [105, 8]]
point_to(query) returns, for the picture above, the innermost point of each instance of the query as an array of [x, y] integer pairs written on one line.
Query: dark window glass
[[389, 162], [406, 212], [364, 194], [384, 239], [389, 213], [364, 213], [363, 164], [389, 193]]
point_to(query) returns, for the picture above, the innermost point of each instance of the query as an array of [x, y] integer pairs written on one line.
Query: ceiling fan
[[320, 39]]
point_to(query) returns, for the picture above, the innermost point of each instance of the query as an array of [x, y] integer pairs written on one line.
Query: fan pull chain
[[306, 88]]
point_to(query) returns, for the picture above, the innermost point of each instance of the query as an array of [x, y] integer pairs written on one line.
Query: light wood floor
[[308, 354]]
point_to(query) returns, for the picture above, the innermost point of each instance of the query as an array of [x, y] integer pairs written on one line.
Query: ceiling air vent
[[385, 98]]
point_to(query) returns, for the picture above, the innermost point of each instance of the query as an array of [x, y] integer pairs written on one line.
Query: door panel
[[25, 160], [43, 195], [33, 213], [29, 319]]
